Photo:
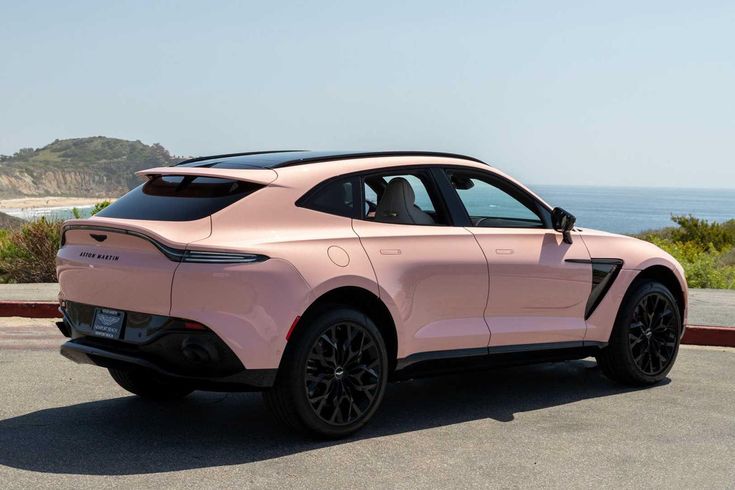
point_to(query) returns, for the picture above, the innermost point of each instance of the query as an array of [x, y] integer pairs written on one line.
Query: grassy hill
[[96, 167], [7, 221]]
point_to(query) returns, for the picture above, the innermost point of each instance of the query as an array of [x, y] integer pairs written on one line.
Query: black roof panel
[[287, 158]]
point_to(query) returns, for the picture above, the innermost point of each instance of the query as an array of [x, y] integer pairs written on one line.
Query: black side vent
[[604, 272]]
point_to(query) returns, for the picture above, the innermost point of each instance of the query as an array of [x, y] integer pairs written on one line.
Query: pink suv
[[318, 277]]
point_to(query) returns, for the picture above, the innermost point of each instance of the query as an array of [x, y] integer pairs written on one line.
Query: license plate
[[108, 323]]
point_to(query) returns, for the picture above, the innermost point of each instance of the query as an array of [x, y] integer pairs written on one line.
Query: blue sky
[[604, 93]]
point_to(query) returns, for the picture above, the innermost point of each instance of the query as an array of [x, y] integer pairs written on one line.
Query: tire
[[149, 385], [645, 339], [333, 375]]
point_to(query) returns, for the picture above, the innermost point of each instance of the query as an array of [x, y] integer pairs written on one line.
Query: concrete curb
[[716, 336], [30, 309], [694, 334]]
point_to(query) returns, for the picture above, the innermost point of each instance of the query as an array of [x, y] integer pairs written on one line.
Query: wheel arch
[[363, 300], [668, 278]]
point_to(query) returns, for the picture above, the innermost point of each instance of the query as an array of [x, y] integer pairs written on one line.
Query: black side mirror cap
[[563, 221]]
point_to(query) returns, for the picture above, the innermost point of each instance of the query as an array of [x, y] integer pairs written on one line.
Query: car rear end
[[118, 272]]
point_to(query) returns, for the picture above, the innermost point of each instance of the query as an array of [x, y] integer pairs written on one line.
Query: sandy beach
[[49, 202]]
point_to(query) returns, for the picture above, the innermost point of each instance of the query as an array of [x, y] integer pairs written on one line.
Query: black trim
[[63, 326], [289, 158], [373, 154], [604, 273], [176, 254], [246, 380], [442, 362], [594, 261], [440, 354], [230, 155], [456, 209]]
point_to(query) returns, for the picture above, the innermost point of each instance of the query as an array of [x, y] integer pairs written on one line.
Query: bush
[[704, 267], [28, 254], [95, 209], [99, 207], [705, 234], [705, 250]]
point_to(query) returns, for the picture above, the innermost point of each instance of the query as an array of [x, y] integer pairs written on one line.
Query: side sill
[[435, 363]]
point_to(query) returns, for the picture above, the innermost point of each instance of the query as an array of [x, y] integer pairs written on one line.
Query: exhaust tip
[[199, 351]]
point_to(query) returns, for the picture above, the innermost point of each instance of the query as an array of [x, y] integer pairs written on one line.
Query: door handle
[[504, 251], [390, 251]]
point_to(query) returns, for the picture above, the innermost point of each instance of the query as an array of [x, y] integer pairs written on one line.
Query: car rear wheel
[[645, 340], [333, 376], [149, 385]]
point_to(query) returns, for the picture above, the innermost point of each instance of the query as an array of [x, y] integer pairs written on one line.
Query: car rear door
[[539, 284], [435, 274]]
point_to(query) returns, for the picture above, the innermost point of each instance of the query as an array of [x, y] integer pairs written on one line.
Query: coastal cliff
[[92, 167]]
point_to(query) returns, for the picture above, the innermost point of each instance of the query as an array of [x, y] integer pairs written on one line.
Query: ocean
[[617, 209], [631, 210]]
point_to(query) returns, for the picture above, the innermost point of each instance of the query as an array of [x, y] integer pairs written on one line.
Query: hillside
[[91, 167], [7, 221]]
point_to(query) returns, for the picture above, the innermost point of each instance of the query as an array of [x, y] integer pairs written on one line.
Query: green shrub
[[728, 258], [100, 206], [95, 209], [28, 254], [704, 267], [705, 234]]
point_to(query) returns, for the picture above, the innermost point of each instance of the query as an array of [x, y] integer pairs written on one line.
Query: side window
[[402, 198], [335, 197], [489, 206]]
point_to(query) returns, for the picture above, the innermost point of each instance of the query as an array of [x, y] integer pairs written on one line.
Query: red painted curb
[[694, 334], [716, 336], [30, 309]]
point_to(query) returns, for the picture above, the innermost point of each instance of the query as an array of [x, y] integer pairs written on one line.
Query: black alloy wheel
[[645, 339], [653, 333], [333, 374], [343, 373]]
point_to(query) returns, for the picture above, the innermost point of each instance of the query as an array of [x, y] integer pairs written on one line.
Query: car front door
[[539, 284], [434, 274]]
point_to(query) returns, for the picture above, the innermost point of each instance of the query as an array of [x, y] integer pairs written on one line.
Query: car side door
[[539, 284], [435, 274]]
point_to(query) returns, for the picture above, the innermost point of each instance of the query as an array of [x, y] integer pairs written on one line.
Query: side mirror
[[563, 221]]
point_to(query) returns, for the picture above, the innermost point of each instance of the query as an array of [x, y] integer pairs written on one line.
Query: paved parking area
[[552, 426]]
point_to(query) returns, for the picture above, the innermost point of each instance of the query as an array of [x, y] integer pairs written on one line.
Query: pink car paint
[[446, 288]]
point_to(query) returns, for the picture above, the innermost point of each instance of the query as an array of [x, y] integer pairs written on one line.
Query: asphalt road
[[551, 426]]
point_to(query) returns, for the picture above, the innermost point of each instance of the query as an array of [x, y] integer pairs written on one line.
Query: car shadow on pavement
[[127, 435]]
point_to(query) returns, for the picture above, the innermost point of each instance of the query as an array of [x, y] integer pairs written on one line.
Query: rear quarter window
[[179, 198], [335, 197]]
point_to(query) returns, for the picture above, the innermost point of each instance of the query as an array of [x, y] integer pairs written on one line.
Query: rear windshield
[[178, 198]]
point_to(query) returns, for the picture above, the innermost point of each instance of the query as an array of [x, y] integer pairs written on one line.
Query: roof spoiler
[[262, 176]]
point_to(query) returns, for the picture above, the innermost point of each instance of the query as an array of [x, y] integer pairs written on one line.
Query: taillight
[[200, 256]]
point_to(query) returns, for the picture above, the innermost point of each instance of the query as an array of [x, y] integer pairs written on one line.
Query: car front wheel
[[645, 340]]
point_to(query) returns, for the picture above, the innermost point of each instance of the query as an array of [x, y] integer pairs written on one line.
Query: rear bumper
[[162, 345], [245, 380]]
